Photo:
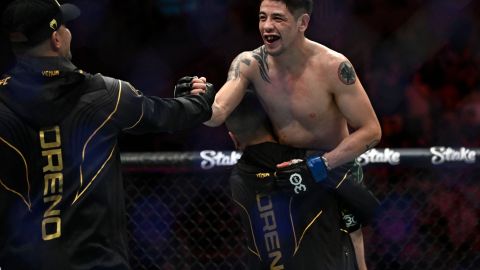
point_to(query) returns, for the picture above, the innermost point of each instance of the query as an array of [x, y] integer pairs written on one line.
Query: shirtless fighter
[[311, 94], [278, 222]]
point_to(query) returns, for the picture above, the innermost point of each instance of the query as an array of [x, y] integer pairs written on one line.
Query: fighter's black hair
[[296, 5], [249, 119]]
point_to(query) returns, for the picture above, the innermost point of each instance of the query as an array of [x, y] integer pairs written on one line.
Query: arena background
[[417, 59]]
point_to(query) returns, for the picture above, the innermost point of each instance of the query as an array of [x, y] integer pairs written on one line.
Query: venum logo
[[446, 154], [54, 24], [374, 156], [211, 159], [296, 181]]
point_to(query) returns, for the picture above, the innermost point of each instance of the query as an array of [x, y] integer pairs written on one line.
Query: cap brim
[[69, 12]]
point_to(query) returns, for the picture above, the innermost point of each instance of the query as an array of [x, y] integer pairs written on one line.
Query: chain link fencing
[[182, 217]]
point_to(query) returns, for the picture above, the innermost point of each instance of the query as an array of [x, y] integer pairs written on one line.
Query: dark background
[[417, 59]]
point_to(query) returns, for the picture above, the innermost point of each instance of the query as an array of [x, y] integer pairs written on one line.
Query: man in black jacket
[[61, 189]]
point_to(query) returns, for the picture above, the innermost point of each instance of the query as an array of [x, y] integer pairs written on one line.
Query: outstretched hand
[[190, 86]]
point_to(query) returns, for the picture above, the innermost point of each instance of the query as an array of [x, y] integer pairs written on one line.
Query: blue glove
[[300, 174], [318, 168]]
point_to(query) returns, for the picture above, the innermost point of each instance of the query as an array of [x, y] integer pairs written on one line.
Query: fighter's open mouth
[[271, 38]]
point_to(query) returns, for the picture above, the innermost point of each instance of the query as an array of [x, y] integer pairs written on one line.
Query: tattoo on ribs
[[261, 56], [346, 73]]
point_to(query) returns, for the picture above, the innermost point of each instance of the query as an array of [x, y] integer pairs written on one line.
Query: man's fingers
[[201, 79], [191, 86], [199, 85], [283, 164], [197, 91], [188, 85], [289, 163]]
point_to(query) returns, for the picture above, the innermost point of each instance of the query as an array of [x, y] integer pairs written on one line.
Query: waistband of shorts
[[267, 155]]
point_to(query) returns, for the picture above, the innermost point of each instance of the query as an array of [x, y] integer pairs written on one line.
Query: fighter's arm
[[354, 228], [357, 241], [136, 113], [354, 104], [232, 92]]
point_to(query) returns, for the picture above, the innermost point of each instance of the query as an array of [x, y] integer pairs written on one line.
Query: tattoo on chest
[[346, 73], [261, 56]]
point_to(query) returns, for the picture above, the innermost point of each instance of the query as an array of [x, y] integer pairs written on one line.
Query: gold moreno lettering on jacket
[[270, 233], [53, 182]]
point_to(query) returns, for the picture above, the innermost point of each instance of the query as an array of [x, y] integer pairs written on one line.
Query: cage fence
[[181, 216]]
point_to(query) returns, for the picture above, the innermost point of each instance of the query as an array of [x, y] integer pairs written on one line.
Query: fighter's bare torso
[[298, 97], [311, 94]]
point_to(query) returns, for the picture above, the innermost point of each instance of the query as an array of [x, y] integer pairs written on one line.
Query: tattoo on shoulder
[[261, 56], [234, 71], [372, 144], [346, 73]]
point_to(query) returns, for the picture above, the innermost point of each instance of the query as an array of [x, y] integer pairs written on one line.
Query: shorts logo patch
[[296, 181], [349, 220]]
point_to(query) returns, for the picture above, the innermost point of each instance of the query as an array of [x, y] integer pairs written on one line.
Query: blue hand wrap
[[317, 167]]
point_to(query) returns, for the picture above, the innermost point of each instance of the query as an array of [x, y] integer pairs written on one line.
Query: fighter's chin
[[273, 51]]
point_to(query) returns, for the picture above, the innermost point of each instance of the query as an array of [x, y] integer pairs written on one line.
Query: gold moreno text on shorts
[[53, 182], [272, 241]]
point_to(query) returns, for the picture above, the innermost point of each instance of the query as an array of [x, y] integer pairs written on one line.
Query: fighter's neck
[[296, 55]]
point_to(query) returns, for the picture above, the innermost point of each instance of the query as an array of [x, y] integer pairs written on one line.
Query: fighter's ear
[[303, 21], [55, 41], [235, 141]]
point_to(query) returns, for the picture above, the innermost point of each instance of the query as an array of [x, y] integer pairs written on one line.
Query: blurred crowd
[[429, 218]]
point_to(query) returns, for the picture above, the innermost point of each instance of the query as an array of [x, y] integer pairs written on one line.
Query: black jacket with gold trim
[[61, 189]]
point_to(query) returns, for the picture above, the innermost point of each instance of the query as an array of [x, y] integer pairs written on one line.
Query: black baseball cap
[[33, 21]]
